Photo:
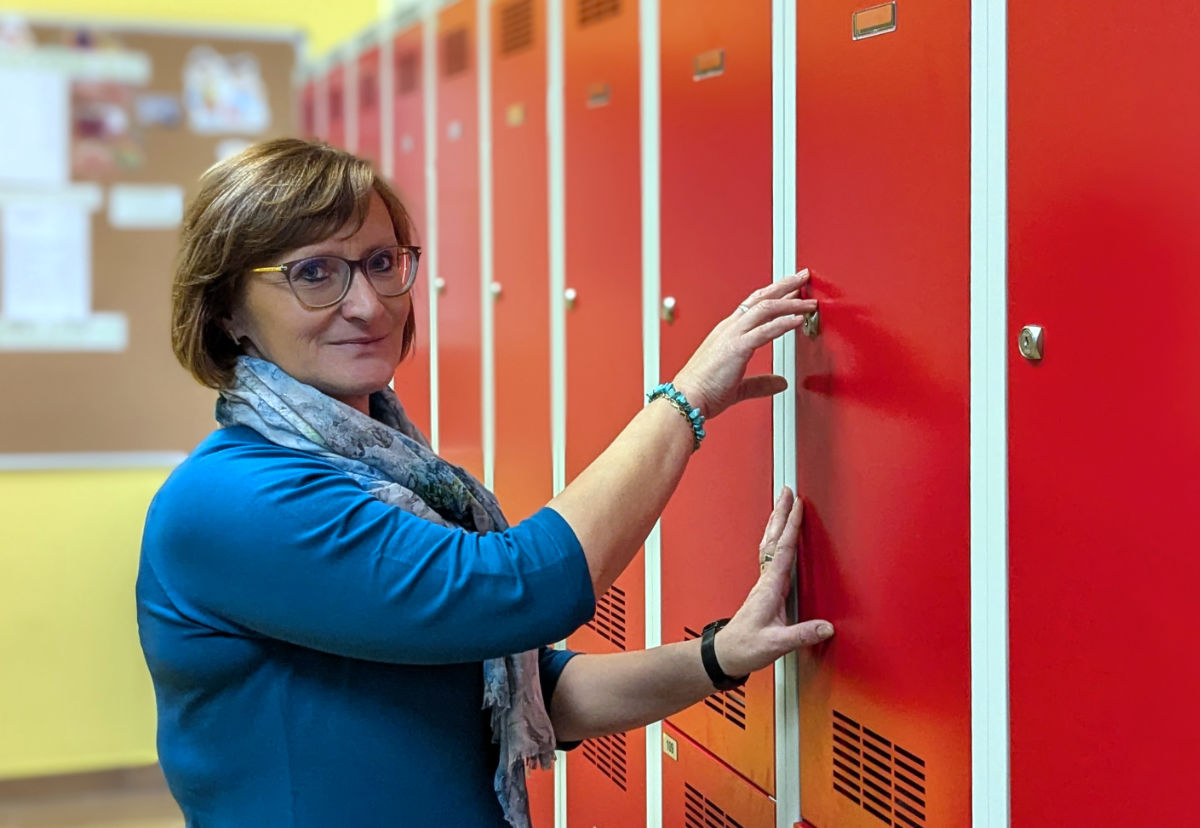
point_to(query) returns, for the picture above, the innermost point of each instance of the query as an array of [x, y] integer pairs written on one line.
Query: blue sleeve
[[550, 666], [257, 539]]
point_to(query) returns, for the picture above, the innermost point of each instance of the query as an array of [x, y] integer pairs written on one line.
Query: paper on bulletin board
[[35, 129], [45, 269], [145, 206]]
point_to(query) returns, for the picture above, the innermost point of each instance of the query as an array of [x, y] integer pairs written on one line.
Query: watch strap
[[708, 657]]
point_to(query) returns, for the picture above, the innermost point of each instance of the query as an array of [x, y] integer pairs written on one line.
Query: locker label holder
[[670, 747], [708, 64], [874, 21]]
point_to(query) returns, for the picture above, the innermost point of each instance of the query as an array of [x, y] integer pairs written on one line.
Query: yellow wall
[[74, 692], [326, 23]]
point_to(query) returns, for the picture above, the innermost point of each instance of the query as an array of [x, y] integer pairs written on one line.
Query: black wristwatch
[[708, 655]]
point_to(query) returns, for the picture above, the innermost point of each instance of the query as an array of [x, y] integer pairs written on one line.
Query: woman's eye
[[382, 262], [311, 271]]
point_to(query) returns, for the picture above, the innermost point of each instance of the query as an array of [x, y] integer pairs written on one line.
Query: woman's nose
[[361, 301]]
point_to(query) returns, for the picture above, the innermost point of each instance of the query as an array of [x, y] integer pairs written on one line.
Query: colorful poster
[[106, 138], [224, 93]]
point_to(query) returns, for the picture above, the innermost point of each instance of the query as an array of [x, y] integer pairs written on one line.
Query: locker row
[[996, 458]]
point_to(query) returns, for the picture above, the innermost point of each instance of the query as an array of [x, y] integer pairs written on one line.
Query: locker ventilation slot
[[368, 93], [593, 11], [454, 52], [609, 620], [407, 72], [730, 704], [879, 776], [608, 755], [516, 27], [701, 812]]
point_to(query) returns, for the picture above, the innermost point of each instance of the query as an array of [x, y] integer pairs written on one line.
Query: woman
[[341, 627]]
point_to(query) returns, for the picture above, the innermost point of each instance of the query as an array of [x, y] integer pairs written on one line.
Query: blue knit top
[[316, 653]]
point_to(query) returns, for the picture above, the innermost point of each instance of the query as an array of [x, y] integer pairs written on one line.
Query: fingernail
[[803, 274], [824, 631]]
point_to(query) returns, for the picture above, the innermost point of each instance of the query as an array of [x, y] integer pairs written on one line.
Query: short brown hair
[[270, 198]]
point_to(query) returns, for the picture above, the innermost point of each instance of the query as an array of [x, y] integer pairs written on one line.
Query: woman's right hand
[[714, 377], [759, 632]]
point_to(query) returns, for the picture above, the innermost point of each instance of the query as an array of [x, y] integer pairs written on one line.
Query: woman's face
[[347, 351]]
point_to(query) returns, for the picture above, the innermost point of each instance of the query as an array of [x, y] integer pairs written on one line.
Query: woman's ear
[[233, 327]]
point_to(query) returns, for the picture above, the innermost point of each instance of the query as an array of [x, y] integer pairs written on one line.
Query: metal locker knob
[[570, 295], [811, 326], [439, 285], [1030, 342], [496, 290], [668, 309]]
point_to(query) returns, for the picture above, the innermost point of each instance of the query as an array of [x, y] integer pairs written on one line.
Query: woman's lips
[[362, 340]]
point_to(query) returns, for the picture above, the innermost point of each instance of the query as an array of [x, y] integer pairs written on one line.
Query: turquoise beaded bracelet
[[675, 397]]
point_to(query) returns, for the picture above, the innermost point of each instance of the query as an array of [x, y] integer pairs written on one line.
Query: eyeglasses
[[323, 281]]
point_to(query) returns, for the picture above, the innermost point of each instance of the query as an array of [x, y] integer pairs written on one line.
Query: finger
[[789, 539], [771, 331], [775, 569], [777, 289], [778, 518], [809, 633], [769, 309], [761, 385]]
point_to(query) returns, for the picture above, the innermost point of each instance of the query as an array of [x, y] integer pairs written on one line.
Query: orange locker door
[[606, 778], [370, 126], [308, 110], [1103, 440], [337, 105], [523, 474], [460, 412], [698, 791], [540, 784], [408, 167], [883, 196], [716, 249]]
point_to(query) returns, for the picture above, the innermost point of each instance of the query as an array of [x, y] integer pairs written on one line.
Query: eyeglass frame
[[355, 266]]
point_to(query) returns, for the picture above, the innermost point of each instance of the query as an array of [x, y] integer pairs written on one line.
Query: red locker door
[[408, 166], [523, 474], [883, 197], [308, 110], [1104, 446], [337, 105], [606, 777], [698, 791], [460, 413], [716, 249], [370, 137]]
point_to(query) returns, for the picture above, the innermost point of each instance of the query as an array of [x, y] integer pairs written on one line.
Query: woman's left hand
[[759, 632]]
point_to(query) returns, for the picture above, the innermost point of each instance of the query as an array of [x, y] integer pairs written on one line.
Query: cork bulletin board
[[133, 396]]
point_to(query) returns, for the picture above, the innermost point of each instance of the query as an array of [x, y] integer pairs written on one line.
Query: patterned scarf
[[392, 460]]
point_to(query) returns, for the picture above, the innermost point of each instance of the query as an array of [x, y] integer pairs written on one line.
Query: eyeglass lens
[[323, 280]]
